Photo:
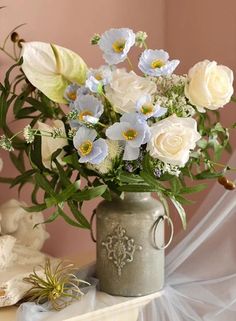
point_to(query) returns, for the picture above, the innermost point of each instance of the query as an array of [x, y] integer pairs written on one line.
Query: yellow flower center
[[119, 45], [130, 134], [72, 95], [98, 76], [147, 109], [86, 147], [158, 63], [84, 113]]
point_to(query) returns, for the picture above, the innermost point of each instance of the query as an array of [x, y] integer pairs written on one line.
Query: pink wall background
[[189, 30]]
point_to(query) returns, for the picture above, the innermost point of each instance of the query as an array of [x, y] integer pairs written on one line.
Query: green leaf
[[151, 181], [20, 100], [35, 155], [78, 215], [72, 160], [180, 211], [175, 185], [63, 176], [137, 188], [24, 112], [130, 178], [34, 195], [64, 195], [35, 208], [8, 73], [89, 194], [219, 128], [18, 161], [6, 180], [164, 202], [183, 200], [202, 143], [67, 218], [25, 177], [51, 219], [208, 174], [193, 189], [44, 184]]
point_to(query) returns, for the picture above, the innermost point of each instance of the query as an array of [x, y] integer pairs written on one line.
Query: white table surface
[[124, 309], [9, 313]]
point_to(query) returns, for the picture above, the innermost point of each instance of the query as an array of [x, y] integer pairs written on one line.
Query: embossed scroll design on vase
[[120, 248]]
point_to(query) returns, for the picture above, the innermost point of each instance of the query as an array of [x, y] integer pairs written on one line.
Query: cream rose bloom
[[50, 145], [209, 85], [172, 139], [126, 88]]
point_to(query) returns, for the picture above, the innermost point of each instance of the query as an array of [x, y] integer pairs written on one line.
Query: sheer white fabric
[[200, 274]]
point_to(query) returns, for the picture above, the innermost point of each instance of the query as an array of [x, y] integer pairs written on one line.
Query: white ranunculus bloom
[[50, 144], [126, 88], [209, 85], [172, 139], [52, 68]]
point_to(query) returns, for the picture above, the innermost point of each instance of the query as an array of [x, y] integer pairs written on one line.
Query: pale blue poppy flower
[[90, 149], [97, 78], [70, 93], [82, 90], [156, 63], [146, 108], [115, 44], [88, 105], [133, 130]]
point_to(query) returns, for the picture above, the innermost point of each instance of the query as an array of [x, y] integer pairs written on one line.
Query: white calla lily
[[51, 68]]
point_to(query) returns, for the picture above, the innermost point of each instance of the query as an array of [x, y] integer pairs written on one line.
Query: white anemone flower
[[146, 108], [88, 105], [115, 44], [90, 149], [156, 63], [97, 78], [133, 131]]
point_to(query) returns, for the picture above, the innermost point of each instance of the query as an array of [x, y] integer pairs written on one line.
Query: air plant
[[56, 285]]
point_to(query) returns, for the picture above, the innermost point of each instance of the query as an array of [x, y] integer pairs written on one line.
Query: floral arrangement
[[116, 129]]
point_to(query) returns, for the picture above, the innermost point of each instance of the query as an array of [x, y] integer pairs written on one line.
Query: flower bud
[[230, 186], [15, 37], [223, 180]]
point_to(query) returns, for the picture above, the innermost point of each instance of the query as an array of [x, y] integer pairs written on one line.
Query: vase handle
[[155, 227], [91, 226]]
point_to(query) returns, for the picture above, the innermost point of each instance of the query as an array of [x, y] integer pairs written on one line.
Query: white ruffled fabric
[[200, 275]]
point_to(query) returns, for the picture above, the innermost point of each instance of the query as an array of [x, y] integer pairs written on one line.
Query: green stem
[[16, 134], [101, 124], [14, 50], [222, 165], [110, 109], [41, 133], [129, 62], [145, 45], [8, 54], [48, 134]]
